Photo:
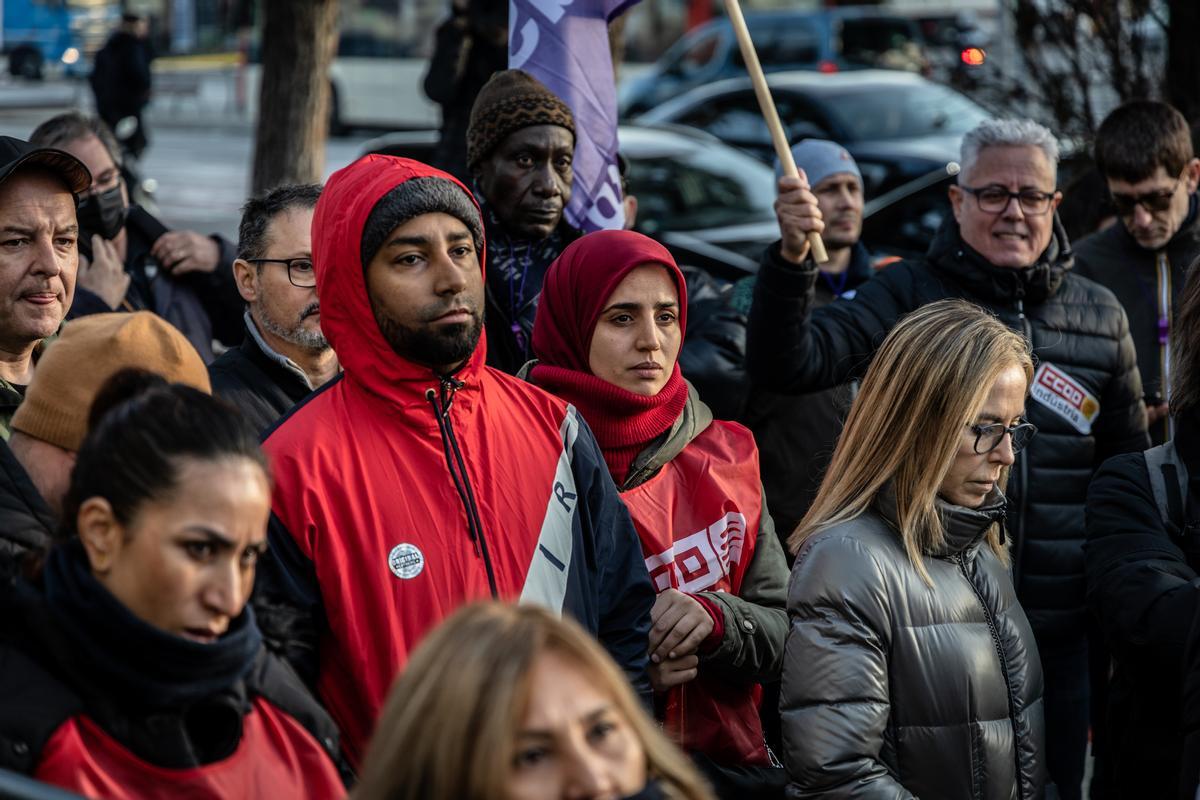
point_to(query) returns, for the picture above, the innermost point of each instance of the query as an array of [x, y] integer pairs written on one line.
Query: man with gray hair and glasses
[[1004, 249]]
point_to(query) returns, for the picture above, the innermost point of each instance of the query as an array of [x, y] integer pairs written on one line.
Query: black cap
[[17, 153]]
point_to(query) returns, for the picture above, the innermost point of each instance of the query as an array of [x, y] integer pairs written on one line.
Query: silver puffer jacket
[[895, 689]]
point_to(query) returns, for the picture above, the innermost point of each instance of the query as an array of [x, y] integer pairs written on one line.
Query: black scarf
[[135, 661]]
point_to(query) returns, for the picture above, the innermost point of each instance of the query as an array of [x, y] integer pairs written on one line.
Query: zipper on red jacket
[[458, 471]]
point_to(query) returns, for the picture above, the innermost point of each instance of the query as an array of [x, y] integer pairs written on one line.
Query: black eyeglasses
[[300, 270], [989, 437], [1151, 201], [995, 199]]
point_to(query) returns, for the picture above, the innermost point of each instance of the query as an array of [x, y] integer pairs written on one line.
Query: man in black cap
[[520, 145], [38, 257]]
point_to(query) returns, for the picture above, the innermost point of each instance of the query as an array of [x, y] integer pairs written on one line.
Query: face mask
[[102, 214]]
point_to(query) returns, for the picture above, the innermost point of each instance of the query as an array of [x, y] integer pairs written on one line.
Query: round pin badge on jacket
[[406, 561]]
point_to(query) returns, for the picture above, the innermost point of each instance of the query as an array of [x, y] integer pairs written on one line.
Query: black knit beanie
[[511, 100], [413, 198]]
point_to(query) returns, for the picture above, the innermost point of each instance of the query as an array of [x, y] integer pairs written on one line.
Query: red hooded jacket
[[401, 494]]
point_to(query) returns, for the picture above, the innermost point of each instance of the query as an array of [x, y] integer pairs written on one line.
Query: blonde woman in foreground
[[910, 669], [512, 703]]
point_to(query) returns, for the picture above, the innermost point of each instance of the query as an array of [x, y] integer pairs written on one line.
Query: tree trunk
[[298, 39], [1183, 59]]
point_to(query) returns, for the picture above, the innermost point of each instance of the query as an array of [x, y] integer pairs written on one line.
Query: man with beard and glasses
[[129, 261], [421, 479], [284, 355]]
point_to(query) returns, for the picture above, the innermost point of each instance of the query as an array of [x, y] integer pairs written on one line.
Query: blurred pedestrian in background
[[513, 703], [121, 82], [911, 669], [609, 326], [130, 666], [468, 48]]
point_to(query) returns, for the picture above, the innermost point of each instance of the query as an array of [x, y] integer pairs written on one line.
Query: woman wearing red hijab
[[609, 326]]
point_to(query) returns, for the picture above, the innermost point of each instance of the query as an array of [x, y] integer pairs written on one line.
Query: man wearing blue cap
[[796, 434]]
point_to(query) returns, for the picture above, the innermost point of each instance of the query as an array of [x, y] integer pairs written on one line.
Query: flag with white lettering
[[564, 44]]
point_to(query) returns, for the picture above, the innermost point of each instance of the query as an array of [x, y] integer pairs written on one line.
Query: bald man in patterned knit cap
[[520, 145]]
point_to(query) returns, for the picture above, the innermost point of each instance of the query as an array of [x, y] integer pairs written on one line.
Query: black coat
[[258, 385], [26, 522], [897, 689], [1143, 580], [1139, 278], [1072, 324]]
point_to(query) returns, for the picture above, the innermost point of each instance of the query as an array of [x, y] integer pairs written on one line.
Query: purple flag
[[564, 44]]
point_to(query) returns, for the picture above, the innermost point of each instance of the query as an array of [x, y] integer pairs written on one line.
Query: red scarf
[[576, 288]]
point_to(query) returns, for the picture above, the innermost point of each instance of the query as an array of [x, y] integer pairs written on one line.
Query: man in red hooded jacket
[[421, 478]]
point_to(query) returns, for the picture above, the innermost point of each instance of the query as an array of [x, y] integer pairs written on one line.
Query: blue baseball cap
[[820, 158]]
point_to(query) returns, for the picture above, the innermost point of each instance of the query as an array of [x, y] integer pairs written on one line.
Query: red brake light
[[973, 56], [827, 67]]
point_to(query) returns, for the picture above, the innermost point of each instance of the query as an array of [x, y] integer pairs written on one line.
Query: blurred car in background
[[898, 126], [829, 40]]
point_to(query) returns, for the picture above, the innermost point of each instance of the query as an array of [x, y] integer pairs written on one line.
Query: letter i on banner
[[564, 44]]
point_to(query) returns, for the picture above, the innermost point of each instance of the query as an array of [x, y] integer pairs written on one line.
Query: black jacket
[[259, 386], [202, 306], [1072, 323], [1143, 580], [26, 522], [1144, 280], [897, 689]]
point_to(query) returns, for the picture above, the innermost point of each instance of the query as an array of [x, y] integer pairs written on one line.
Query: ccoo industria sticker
[[1064, 395]]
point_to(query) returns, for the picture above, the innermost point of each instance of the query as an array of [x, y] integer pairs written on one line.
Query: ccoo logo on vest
[[1062, 394], [406, 561]]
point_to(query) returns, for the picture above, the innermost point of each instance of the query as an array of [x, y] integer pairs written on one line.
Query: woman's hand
[[679, 624], [673, 672]]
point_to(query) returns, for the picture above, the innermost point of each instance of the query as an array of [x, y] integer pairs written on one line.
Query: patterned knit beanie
[[511, 100], [412, 199]]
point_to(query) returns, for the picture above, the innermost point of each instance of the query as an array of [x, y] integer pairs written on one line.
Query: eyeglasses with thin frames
[[989, 437], [994, 199], [300, 270]]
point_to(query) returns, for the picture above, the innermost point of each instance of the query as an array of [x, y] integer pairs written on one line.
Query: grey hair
[[1006, 133], [61, 130]]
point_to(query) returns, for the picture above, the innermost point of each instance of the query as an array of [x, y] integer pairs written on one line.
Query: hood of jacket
[[949, 254], [346, 317]]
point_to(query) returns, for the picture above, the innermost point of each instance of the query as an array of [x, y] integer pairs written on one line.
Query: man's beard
[[437, 348], [297, 334]]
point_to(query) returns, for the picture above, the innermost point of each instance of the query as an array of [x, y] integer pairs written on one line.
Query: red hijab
[[576, 289]]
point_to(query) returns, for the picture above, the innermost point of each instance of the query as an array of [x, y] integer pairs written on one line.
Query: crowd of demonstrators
[[129, 261], [422, 478], [540, 684], [520, 145], [131, 662], [1143, 570], [609, 326], [284, 355], [911, 670], [1144, 152], [49, 427], [1002, 249]]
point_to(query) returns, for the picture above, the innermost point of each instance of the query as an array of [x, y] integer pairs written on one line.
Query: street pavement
[[202, 167]]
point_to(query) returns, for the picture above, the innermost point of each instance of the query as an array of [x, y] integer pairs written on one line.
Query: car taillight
[[827, 67], [973, 56]]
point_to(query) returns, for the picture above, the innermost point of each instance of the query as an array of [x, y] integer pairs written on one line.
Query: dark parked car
[[829, 40], [898, 126]]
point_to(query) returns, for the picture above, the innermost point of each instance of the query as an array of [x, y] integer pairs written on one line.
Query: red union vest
[[698, 520], [276, 757]]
